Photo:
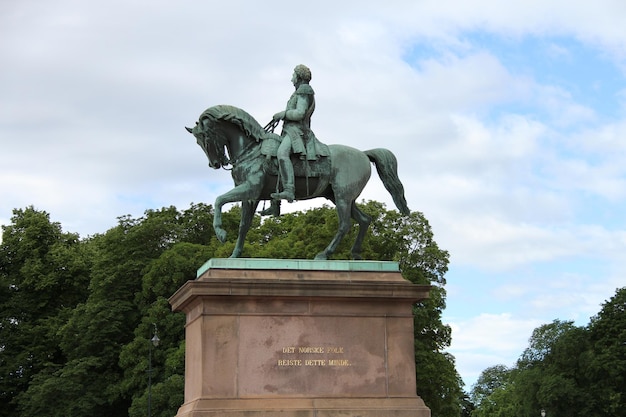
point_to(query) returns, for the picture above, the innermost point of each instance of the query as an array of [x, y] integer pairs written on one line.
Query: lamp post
[[153, 342], [543, 413]]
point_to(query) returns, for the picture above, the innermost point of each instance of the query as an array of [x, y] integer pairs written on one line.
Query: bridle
[[213, 145]]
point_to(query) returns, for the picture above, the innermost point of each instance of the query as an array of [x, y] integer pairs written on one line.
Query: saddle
[[315, 163]]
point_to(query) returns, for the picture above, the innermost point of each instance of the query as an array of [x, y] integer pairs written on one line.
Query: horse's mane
[[236, 116]]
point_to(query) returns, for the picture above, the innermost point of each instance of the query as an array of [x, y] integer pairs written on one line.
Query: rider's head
[[303, 73]]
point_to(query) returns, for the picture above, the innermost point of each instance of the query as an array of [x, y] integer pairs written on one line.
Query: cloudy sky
[[508, 120]]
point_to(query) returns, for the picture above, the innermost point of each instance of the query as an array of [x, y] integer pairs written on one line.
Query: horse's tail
[[387, 168]]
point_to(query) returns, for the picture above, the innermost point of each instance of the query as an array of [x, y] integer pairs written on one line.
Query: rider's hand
[[279, 116]]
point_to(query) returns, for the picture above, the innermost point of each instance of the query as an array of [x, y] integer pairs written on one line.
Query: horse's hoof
[[357, 257], [321, 256], [221, 235]]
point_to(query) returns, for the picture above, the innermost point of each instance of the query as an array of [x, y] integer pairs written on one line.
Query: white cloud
[[487, 340]]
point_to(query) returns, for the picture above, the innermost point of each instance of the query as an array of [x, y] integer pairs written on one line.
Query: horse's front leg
[[247, 213], [242, 192]]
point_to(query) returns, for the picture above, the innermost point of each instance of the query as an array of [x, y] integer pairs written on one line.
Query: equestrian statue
[[292, 166]]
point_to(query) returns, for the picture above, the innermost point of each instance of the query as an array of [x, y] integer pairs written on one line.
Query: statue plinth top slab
[[298, 264]]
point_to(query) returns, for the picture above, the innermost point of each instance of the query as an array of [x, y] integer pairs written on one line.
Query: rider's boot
[[272, 210], [286, 174]]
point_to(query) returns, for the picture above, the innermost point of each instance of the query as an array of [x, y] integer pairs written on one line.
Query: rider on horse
[[297, 136]]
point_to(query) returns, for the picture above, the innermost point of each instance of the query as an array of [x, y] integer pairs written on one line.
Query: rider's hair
[[303, 72]]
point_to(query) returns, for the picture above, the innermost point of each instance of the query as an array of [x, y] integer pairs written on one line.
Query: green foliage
[[43, 276], [82, 345], [491, 379], [296, 235], [542, 342], [607, 365], [566, 370], [500, 403]]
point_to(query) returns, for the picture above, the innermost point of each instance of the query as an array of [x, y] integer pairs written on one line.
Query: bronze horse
[[340, 177]]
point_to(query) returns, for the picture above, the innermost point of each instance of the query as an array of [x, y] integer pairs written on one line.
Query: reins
[[271, 126]]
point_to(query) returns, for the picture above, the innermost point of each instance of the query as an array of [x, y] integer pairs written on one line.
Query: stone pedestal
[[287, 338]]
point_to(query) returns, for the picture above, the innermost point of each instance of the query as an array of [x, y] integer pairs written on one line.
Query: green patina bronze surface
[[230, 136], [298, 264]]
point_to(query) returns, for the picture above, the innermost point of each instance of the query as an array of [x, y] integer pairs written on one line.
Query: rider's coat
[[297, 124]]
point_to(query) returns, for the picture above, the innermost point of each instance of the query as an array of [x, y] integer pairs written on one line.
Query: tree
[[542, 341], [607, 368], [163, 277], [467, 406], [564, 386], [500, 403], [538, 380], [492, 394], [93, 334], [43, 276], [491, 379]]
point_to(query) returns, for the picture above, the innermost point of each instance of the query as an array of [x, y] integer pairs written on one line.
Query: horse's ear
[[189, 130]]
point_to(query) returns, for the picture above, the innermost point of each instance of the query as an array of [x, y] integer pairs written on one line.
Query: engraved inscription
[[329, 357]]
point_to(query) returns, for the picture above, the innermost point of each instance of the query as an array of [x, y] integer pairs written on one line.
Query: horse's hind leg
[[364, 221], [247, 213], [343, 211]]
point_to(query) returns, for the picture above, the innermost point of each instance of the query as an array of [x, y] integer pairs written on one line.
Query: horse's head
[[213, 144]]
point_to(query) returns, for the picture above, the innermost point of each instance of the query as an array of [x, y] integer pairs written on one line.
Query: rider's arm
[[301, 107]]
